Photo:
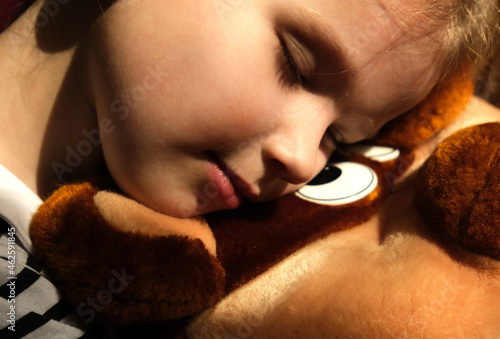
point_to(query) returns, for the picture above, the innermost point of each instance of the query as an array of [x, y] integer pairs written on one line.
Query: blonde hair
[[466, 33], [474, 37]]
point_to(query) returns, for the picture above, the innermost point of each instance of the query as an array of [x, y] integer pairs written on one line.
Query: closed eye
[[289, 65]]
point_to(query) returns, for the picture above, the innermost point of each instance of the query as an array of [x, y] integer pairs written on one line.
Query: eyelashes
[[288, 70]]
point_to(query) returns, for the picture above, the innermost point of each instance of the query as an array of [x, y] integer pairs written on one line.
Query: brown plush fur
[[175, 275], [252, 239], [442, 106], [161, 277], [459, 188]]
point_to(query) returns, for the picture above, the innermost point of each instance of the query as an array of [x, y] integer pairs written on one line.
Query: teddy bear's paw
[[122, 275], [458, 191], [154, 279]]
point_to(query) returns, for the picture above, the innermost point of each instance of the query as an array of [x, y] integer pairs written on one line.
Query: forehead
[[371, 28]]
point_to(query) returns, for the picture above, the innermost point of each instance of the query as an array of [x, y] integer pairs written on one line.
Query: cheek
[[172, 97], [209, 80]]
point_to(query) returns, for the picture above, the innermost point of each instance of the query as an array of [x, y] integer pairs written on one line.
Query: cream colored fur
[[136, 217]]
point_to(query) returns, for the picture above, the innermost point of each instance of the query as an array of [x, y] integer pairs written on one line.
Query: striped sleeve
[[31, 306]]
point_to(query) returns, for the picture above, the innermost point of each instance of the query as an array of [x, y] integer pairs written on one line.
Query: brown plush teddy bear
[[459, 189], [116, 259]]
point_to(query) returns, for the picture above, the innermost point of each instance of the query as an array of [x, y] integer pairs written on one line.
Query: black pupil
[[328, 174]]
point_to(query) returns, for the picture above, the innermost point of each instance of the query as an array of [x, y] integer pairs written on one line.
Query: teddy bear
[[117, 260]]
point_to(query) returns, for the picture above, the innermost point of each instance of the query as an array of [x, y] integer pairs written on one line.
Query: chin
[[186, 207]]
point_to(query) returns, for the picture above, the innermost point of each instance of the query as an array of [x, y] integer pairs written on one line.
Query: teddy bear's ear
[[458, 190], [441, 106]]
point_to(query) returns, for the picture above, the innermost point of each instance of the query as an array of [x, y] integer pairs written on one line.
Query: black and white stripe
[[40, 311]]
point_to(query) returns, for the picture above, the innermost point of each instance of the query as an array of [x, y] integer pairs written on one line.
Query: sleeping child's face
[[204, 103]]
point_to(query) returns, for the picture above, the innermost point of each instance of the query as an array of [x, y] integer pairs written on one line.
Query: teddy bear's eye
[[327, 175], [347, 182], [339, 184], [377, 153]]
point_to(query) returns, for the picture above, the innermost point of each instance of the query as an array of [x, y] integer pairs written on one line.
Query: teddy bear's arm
[[134, 267], [137, 218]]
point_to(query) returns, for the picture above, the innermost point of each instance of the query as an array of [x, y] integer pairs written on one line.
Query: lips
[[227, 184]]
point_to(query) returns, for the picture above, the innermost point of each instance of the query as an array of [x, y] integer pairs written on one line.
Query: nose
[[293, 156]]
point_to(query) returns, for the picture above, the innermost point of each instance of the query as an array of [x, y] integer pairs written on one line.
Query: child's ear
[[441, 106]]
